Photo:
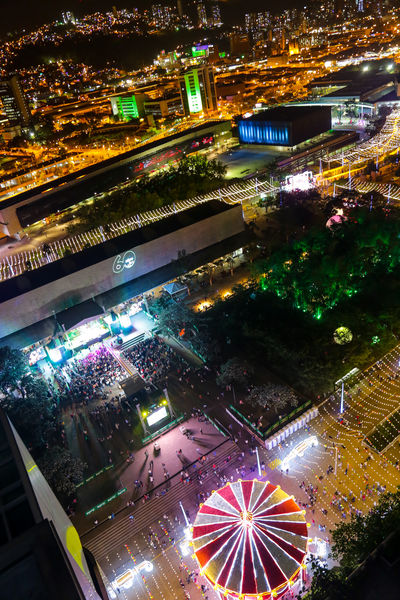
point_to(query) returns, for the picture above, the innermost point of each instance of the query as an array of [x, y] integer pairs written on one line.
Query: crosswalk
[[111, 534]]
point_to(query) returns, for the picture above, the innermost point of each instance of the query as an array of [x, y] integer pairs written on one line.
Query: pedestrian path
[[274, 463], [110, 534]]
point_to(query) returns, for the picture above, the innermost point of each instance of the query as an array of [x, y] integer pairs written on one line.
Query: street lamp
[[184, 514], [258, 462], [342, 399]]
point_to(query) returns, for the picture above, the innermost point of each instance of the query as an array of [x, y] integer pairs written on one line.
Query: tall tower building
[[283, 40], [68, 18], [41, 555], [179, 6], [161, 16], [13, 103], [202, 14], [198, 93], [216, 15]]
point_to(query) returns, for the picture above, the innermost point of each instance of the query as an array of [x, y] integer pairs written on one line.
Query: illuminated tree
[[234, 370], [272, 395]]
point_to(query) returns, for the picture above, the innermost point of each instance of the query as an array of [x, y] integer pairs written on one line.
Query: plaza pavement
[[169, 460], [361, 473]]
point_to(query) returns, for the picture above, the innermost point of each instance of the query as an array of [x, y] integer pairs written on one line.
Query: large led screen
[[156, 416]]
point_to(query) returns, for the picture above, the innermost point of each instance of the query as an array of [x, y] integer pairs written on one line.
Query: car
[[183, 429]]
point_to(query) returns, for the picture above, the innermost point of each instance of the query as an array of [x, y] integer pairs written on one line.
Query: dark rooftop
[[287, 113], [30, 280]]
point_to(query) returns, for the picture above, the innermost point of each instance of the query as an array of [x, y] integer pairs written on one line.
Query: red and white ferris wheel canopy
[[250, 539]]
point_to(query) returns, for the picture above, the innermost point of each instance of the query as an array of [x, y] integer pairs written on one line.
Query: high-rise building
[[256, 24], [162, 16], [68, 18], [41, 555], [13, 103], [283, 40], [215, 20], [202, 14], [179, 6], [239, 44], [130, 106], [198, 93]]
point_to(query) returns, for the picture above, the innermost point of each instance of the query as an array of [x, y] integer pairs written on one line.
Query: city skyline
[[25, 14]]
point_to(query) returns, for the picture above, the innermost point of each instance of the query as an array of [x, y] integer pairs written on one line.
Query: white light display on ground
[[299, 450], [125, 581]]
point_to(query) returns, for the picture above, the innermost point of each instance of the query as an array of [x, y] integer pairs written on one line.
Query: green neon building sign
[[198, 52], [127, 107], [193, 92]]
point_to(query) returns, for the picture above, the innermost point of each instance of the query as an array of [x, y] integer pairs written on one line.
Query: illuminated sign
[[124, 261], [125, 321], [157, 416], [36, 355], [193, 92], [55, 354], [199, 51]]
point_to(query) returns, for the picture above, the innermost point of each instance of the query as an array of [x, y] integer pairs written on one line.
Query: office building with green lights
[[197, 88], [127, 107]]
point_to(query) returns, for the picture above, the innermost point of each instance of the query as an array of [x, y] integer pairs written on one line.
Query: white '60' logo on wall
[[124, 261]]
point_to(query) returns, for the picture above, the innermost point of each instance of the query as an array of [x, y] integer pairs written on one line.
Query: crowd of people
[[81, 381], [154, 360]]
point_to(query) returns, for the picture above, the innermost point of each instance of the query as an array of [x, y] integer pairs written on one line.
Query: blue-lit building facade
[[285, 126]]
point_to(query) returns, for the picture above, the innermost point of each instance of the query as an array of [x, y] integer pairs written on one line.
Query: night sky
[[28, 13]]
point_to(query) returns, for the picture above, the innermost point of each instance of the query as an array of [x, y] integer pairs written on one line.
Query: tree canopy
[[320, 270], [272, 395], [13, 368], [352, 543], [193, 176], [234, 370], [34, 414]]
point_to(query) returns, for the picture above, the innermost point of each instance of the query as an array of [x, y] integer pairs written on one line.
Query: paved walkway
[[106, 537], [162, 466]]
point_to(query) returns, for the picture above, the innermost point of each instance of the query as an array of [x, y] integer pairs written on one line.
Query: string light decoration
[[250, 539], [15, 264], [342, 336]]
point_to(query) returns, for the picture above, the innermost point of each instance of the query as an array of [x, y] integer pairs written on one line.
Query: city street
[[333, 479]]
